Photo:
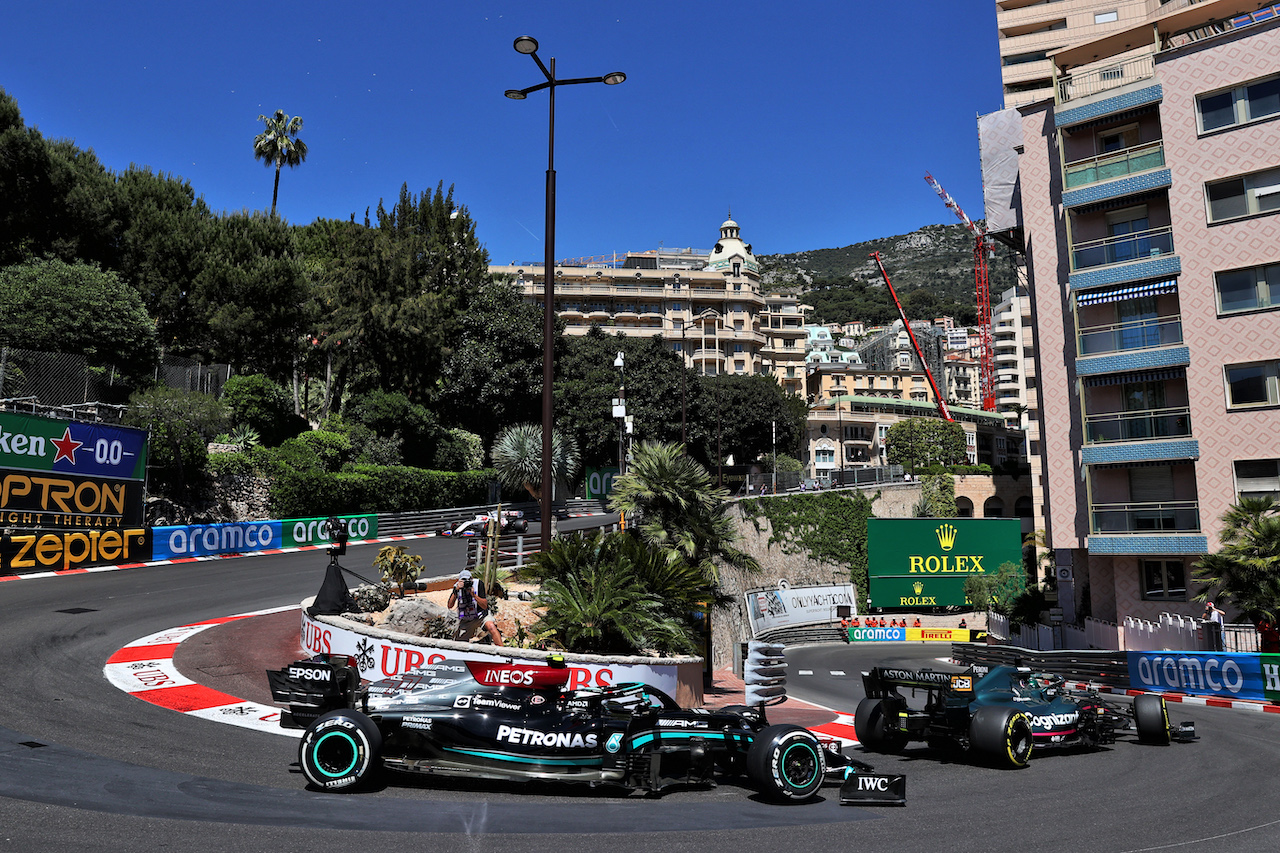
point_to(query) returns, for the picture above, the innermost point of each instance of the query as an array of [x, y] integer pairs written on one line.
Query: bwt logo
[[1190, 674]]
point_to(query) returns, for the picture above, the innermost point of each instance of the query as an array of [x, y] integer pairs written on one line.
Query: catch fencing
[[1170, 632]]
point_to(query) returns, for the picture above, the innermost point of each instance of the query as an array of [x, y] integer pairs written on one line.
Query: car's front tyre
[[786, 763], [341, 750], [1151, 717]]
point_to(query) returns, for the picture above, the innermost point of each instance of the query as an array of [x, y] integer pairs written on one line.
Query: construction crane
[[937, 395], [983, 250]]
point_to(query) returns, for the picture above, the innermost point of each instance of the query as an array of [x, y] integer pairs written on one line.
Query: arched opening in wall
[[964, 508], [993, 508], [1022, 507]]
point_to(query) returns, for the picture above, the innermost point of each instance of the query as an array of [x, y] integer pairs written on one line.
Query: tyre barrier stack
[[765, 674]]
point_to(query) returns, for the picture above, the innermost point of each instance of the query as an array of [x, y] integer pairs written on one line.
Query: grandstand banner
[[770, 609], [29, 551], [34, 443], [924, 562], [1231, 676]]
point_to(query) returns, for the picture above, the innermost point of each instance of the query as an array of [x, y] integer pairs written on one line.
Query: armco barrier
[[1099, 667], [383, 654]]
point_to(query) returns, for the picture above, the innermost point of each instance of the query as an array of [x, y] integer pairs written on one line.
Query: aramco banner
[[924, 562], [768, 609]]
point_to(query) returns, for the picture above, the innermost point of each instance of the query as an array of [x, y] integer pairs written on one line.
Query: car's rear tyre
[[1002, 734], [870, 726], [786, 763], [1151, 717], [521, 526], [341, 750]]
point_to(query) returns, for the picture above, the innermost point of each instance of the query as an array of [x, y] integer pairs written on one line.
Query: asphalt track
[[83, 765]]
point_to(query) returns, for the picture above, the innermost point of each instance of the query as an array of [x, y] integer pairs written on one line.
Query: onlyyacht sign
[[768, 609], [924, 562]]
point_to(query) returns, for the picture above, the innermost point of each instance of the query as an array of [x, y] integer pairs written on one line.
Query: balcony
[[1162, 517], [1130, 336], [1092, 81], [1122, 248], [1106, 167], [1136, 426]]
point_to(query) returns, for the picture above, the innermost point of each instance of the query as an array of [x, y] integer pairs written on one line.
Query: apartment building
[[1148, 200], [707, 304], [1032, 30]]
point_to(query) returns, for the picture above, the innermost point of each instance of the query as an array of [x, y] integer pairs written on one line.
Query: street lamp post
[[620, 412], [528, 45], [708, 314]]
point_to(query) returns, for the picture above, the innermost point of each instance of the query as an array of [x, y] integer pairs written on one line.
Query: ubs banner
[[56, 473], [777, 608], [923, 562]]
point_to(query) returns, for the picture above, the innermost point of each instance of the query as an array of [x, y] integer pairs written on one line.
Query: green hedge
[[374, 488]]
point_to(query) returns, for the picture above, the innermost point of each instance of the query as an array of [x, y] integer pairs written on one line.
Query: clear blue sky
[[814, 121]]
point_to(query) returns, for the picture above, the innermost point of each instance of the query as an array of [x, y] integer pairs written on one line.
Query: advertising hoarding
[[29, 499], [923, 562], [768, 609], [1232, 676], [33, 443], [27, 551]]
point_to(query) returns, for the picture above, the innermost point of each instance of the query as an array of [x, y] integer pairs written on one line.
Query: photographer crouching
[[471, 600]]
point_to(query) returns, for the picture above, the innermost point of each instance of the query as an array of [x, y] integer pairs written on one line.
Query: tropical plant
[[517, 456], [397, 567], [278, 145], [1246, 570], [937, 497], [596, 599], [996, 591], [678, 510]]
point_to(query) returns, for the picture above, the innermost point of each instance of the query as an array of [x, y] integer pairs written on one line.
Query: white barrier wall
[[382, 654]]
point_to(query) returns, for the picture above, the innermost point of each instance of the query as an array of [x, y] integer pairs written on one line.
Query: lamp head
[[617, 362], [613, 78], [515, 94], [526, 45]]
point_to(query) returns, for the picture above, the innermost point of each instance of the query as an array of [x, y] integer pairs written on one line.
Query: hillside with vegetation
[[931, 268]]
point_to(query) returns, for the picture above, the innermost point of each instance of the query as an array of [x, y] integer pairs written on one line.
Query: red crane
[[937, 395], [983, 249]]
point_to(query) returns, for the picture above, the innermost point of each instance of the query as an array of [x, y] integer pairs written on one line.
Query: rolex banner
[[923, 562]]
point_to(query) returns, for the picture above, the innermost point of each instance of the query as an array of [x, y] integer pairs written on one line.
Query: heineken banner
[[779, 608], [32, 443], [923, 562]]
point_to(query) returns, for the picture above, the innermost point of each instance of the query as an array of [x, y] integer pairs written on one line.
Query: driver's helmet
[[1044, 681]]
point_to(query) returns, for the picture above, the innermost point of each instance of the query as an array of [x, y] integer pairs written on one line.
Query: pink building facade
[[1149, 209]]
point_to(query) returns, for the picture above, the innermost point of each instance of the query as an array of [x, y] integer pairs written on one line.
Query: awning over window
[[1128, 291], [1136, 376]]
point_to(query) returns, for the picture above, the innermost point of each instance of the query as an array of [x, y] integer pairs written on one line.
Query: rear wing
[[885, 681], [312, 687]]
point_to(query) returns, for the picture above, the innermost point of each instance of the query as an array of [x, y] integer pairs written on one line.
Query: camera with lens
[[335, 530]]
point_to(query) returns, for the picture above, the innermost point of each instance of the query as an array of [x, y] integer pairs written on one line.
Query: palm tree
[[1247, 568], [678, 509], [611, 593], [279, 145], [517, 455]]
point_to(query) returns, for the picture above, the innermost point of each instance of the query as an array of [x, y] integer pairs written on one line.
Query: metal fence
[[63, 385]]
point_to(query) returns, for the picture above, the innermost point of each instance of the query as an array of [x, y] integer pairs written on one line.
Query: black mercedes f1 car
[[517, 721], [1002, 714]]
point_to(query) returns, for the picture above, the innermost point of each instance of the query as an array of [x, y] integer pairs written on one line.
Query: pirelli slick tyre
[[870, 725], [786, 763], [1002, 734], [521, 526], [1151, 717], [341, 750]]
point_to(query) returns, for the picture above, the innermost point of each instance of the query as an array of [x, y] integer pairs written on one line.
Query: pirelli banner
[[924, 562], [67, 474]]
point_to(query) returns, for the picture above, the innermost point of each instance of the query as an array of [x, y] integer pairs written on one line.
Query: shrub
[[230, 465], [332, 449], [397, 567], [181, 424], [388, 414], [257, 402], [313, 492], [459, 450]]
